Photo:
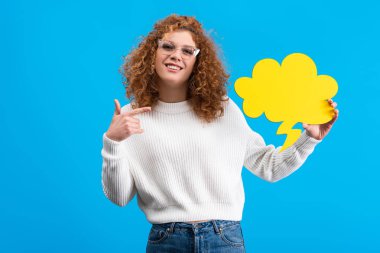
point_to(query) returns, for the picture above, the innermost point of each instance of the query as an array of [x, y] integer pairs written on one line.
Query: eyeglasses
[[168, 48]]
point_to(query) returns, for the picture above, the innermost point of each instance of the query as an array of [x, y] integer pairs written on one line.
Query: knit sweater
[[183, 169]]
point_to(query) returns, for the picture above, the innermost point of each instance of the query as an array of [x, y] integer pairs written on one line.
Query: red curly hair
[[206, 84]]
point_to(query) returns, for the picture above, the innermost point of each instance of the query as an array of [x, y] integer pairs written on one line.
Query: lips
[[173, 67]]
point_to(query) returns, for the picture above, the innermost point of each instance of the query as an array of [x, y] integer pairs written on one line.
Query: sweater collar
[[173, 108]]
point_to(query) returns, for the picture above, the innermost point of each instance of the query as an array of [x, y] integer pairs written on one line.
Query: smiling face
[[174, 69]]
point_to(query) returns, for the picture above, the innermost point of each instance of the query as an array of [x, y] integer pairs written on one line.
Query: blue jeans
[[214, 236]]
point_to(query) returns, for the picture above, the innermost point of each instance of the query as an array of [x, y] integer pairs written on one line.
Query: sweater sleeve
[[117, 181], [266, 161]]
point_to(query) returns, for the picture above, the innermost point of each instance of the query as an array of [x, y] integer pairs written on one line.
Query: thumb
[[117, 107]]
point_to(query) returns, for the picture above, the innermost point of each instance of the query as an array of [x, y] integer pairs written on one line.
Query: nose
[[176, 55]]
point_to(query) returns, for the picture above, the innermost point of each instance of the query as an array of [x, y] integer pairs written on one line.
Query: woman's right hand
[[124, 124]]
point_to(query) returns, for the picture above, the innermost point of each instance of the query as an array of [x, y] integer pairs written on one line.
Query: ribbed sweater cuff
[[114, 148], [306, 142]]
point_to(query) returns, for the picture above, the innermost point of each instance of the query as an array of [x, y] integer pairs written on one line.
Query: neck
[[172, 93]]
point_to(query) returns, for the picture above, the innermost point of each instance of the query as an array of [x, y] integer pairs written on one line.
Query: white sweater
[[183, 169]]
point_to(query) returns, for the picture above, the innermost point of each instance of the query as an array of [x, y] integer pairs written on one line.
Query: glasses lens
[[187, 51], [168, 47]]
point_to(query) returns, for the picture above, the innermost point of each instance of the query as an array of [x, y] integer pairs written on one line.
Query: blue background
[[60, 65]]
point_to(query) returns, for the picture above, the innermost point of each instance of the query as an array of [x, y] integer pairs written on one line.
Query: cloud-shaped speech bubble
[[289, 93]]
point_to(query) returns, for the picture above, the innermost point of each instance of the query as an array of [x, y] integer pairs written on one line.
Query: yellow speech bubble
[[289, 93]]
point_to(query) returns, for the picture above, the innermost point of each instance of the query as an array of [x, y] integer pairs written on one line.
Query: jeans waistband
[[217, 225]]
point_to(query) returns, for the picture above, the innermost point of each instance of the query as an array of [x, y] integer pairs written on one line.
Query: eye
[[188, 51], [167, 46]]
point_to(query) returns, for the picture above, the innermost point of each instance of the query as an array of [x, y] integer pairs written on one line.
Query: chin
[[173, 83]]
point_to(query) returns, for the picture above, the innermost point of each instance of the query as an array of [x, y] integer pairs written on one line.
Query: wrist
[[312, 136], [112, 138]]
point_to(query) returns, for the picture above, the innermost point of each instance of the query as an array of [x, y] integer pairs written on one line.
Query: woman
[[181, 143]]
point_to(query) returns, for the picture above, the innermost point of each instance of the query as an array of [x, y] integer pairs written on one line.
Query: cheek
[[158, 64], [189, 68], [159, 60]]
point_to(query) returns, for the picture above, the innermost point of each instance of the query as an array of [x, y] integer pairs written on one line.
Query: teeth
[[173, 67]]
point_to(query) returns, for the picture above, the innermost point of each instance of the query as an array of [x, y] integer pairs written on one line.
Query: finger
[[136, 131], [139, 110], [133, 125], [117, 107], [131, 119], [336, 112], [335, 104]]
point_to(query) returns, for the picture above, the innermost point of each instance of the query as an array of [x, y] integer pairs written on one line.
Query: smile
[[173, 68]]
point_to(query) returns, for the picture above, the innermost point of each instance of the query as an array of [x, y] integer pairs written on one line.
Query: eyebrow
[[182, 45]]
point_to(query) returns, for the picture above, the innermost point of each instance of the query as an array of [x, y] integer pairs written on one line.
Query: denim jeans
[[214, 236]]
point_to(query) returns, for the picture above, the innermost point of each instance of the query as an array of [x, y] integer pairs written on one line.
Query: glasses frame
[[196, 50]]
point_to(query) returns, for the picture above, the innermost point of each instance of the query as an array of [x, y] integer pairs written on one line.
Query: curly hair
[[206, 84]]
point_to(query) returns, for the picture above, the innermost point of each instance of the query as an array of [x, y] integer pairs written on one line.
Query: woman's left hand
[[320, 131]]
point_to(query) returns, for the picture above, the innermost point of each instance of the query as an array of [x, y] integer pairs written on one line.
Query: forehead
[[180, 38]]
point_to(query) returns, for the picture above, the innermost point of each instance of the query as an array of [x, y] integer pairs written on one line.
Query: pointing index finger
[[139, 110]]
